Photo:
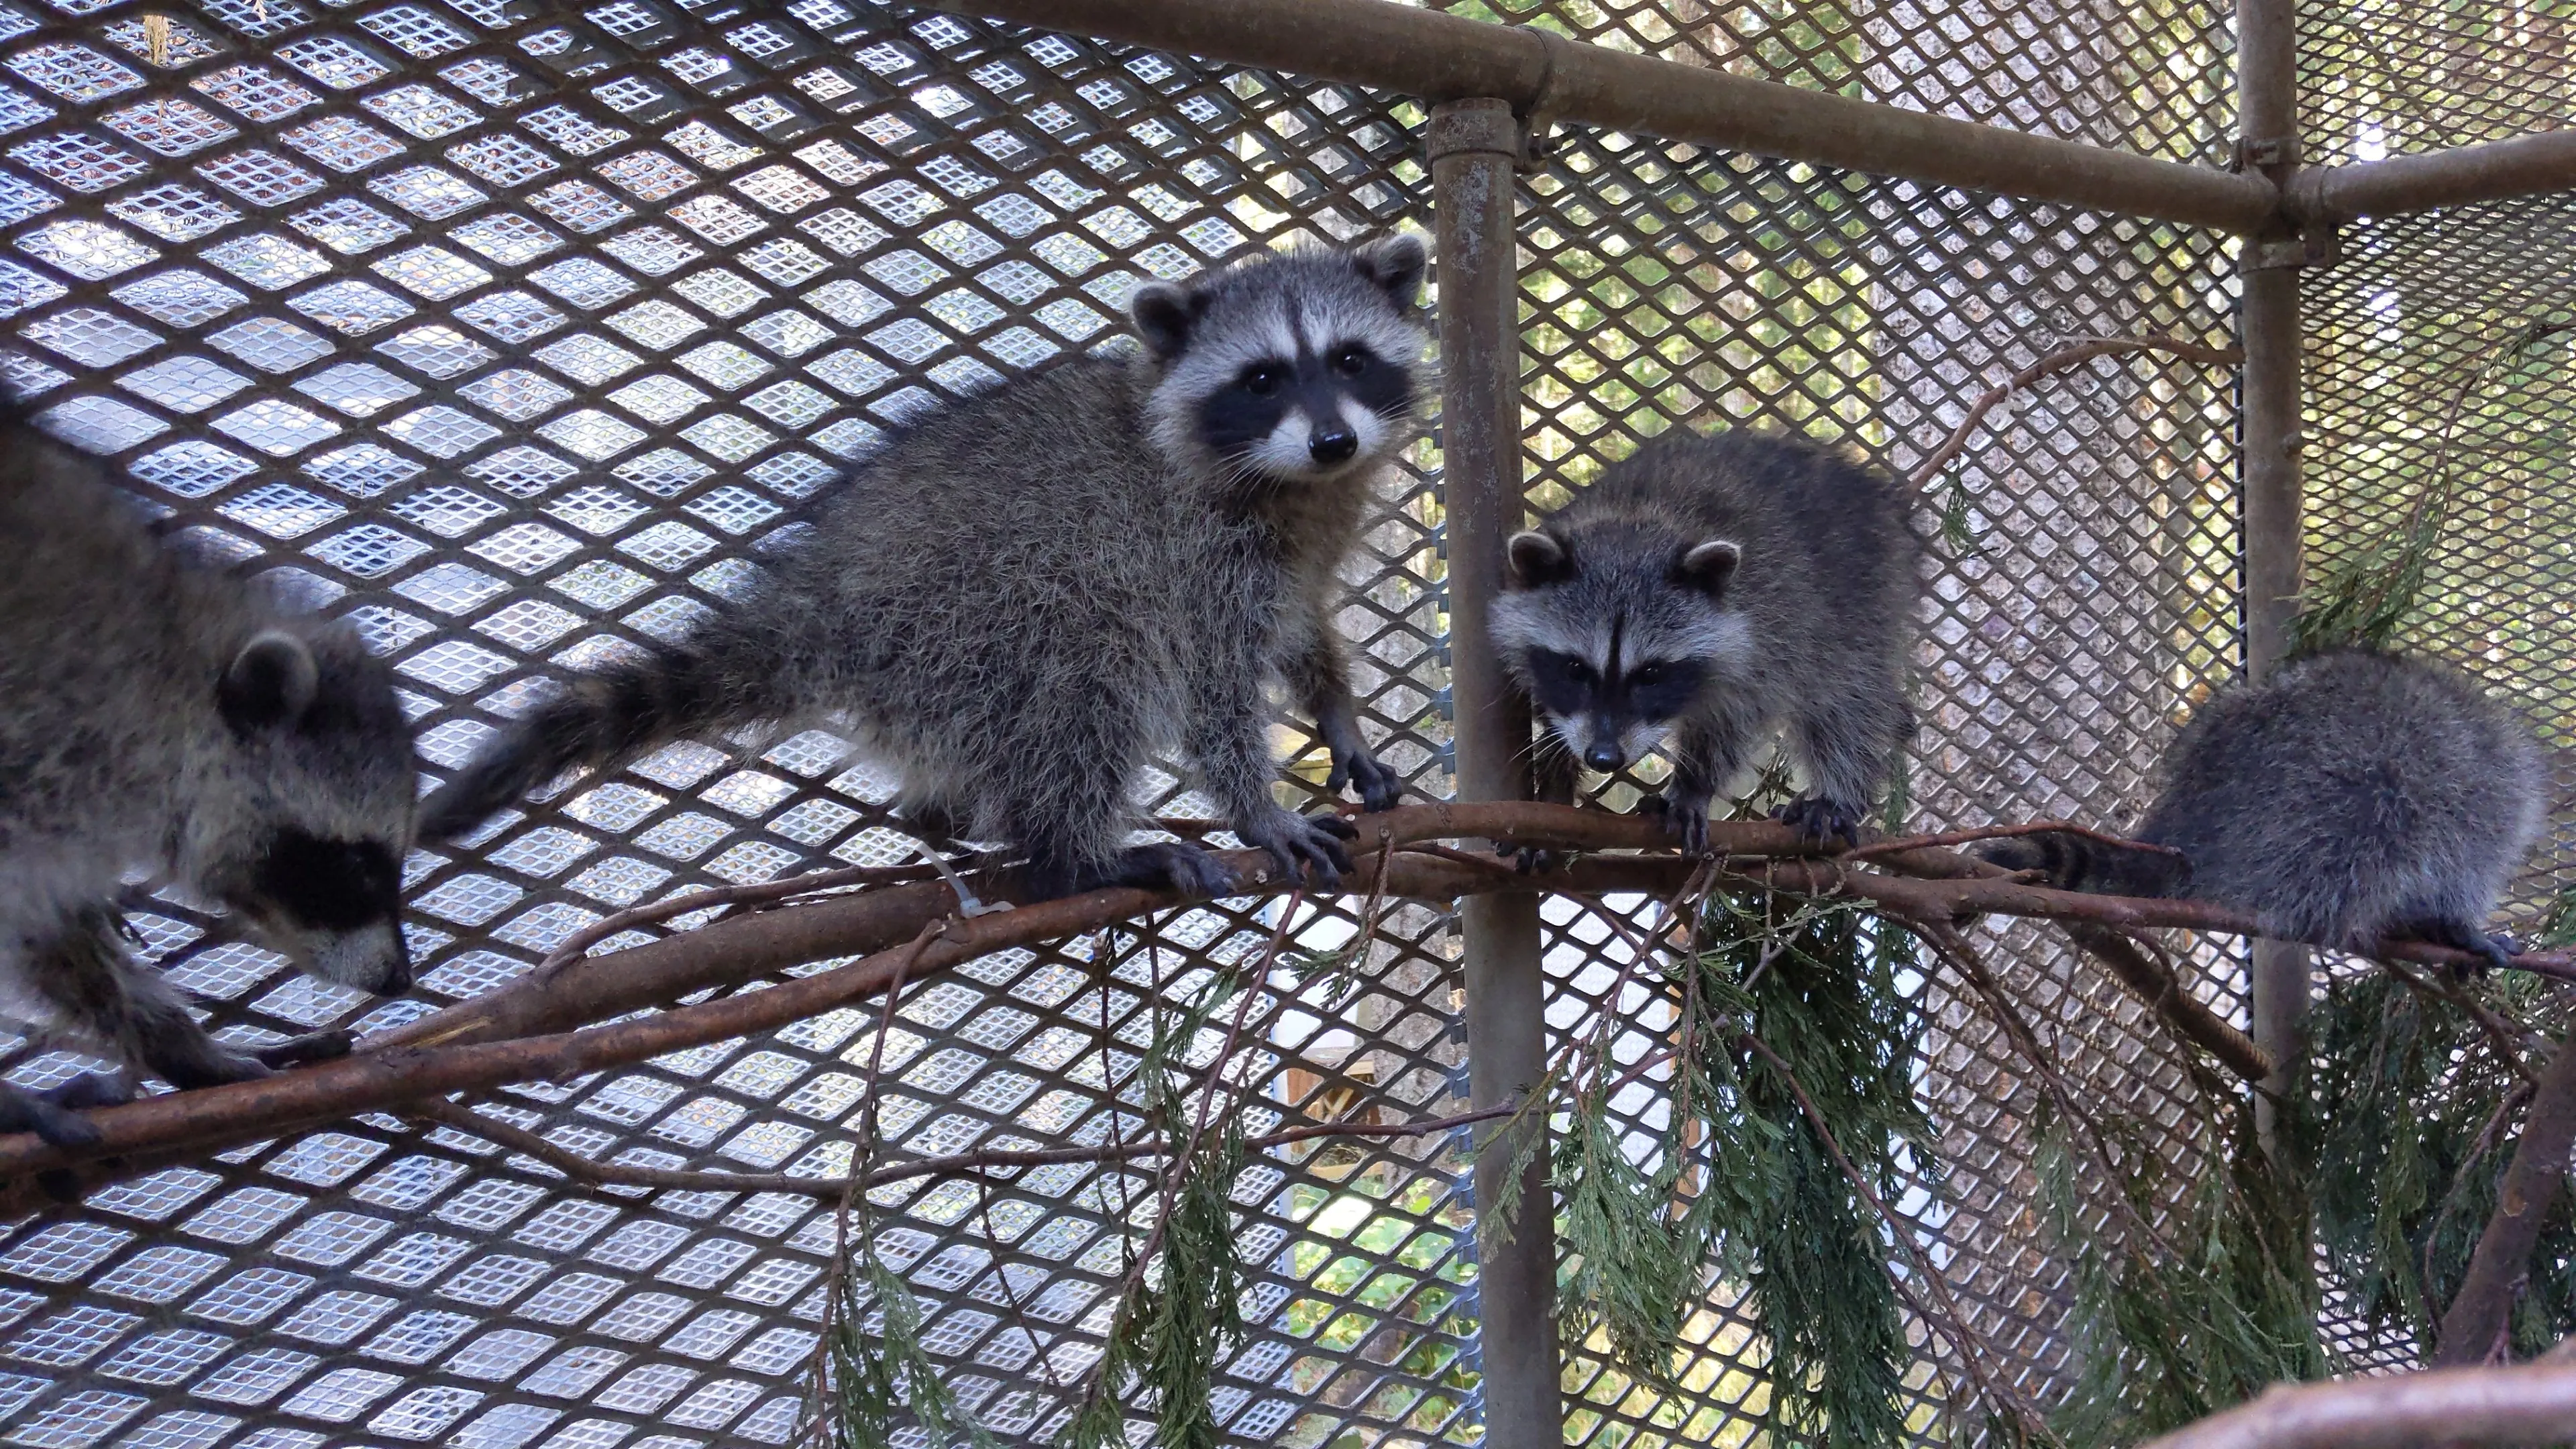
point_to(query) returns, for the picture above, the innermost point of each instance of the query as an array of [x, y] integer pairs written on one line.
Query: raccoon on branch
[[1021, 598], [1711, 589], [160, 715], [2354, 797]]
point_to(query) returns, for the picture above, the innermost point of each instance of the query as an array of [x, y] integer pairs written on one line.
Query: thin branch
[[2512, 1102], [589, 1174], [1949, 838], [2499, 1032], [2525, 1404], [2064, 359], [2474, 1329], [2160, 988], [1951, 1317]]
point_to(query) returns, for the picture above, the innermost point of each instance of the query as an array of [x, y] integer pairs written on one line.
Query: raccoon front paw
[[1380, 788], [1529, 859], [1298, 843], [1685, 820], [300, 1051], [55, 1113], [1176, 865], [1821, 821]]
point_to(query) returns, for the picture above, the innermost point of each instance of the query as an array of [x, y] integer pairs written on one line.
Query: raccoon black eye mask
[[1017, 601], [292, 763], [1701, 595]]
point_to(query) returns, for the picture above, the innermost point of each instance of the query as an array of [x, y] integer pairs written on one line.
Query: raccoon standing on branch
[[1708, 590], [2355, 796], [160, 715], [1022, 598]]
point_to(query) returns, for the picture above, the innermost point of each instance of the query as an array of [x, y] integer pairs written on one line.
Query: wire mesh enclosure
[[516, 333]]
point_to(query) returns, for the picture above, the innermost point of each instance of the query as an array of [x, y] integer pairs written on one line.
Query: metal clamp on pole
[[1475, 145]]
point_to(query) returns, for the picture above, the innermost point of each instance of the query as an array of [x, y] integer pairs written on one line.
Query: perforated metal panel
[[516, 334]]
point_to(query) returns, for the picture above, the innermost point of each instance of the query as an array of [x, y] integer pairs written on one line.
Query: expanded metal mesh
[[515, 335]]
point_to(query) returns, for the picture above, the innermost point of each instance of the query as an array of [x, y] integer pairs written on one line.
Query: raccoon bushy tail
[[605, 717], [2073, 862]]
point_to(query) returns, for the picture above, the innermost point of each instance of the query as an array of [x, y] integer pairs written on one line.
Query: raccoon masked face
[[1296, 367], [314, 861], [1613, 651]]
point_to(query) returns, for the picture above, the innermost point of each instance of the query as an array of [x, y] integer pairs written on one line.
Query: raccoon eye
[[1647, 676], [1264, 380], [1351, 361], [1578, 671]]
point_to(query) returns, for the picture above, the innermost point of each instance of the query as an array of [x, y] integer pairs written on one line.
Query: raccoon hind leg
[[1846, 746]]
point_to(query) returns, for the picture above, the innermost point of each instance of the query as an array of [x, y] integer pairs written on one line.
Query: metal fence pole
[[1475, 146], [2267, 98]]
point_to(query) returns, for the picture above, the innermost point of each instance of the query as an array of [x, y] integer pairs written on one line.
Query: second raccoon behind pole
[[2354, 796], [1708, 590], [1021, 599]]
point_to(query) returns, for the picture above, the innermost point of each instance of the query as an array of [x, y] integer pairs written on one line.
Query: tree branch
[[2156, 986], [535, 1029], [2526, 1404], [2474, 1330]]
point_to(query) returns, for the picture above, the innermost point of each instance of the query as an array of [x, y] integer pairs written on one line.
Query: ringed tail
[[604, 718], [2071, 862]]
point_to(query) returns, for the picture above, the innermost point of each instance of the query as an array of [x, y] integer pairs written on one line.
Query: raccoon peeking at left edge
[[1708, 590], [1022, 598], [157, 713]]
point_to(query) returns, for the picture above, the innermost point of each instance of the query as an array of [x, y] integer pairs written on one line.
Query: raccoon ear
[[1537, 559], [1164, 316], [1708, 566], [270, 682], [1396, 265]]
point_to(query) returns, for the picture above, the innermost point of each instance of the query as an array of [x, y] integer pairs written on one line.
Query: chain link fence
[[514, 333]]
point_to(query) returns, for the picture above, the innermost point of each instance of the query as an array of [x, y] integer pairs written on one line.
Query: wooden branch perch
[[537, 1028], [2532, 1403]]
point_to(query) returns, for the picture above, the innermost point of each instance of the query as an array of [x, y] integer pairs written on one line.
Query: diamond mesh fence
[[515, 333]]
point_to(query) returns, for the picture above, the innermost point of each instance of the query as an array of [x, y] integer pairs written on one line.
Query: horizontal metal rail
[[1439, 57], [2519, 167]]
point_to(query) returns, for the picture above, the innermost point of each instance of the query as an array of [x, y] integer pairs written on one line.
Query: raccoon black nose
[[1336, 446], [1604, 758]]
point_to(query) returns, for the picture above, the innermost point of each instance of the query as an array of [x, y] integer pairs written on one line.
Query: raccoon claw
[[298, 1051], [1301, 842], [55, 1114], [1380, 788], [1685, 820], [1821, 821]]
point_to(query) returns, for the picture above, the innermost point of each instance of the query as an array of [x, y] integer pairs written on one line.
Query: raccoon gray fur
[[2356, 795], [1020, 599], [1712, 589], [160, 715]]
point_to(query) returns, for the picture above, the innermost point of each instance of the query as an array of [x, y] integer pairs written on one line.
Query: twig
[[2480, 1311], [1949, 838], [2063, 359], [2513, 1101], [589, 1174], [1903, 1231], [2499, 1033], [2528, 1403], [2160, 988], [578, 944]]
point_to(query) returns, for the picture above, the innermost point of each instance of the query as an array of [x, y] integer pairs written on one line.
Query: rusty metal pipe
[[1441, 57], [1474, 146], [2523, 166]]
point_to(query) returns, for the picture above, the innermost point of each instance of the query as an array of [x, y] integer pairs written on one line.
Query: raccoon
[[157, 714], [1710, 589], [1018, 600], [2356, 795]]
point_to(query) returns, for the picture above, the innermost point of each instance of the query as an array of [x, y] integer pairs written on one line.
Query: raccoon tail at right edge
[[605, 717], [2071, 862]]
